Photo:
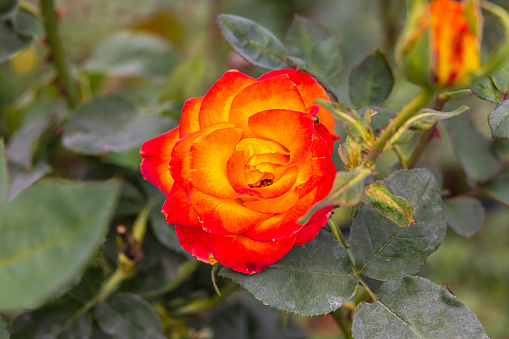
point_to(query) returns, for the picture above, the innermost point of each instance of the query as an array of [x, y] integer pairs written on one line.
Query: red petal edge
[[314, 225]]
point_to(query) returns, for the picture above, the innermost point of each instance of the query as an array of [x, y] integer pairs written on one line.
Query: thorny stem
[[50, 20], [427, 135], [371, 294], [406, 113], [337, 233], [401, 156]]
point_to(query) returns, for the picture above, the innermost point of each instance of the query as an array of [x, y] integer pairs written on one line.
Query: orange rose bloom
[[455, 44], [440, 45], [248, 160]]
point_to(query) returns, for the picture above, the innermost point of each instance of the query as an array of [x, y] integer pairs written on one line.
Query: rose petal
[[216, 104], [156, 155], [313, 168], [254, 146], [326, 184], [208, 157], [283, 225], [194, 241], [279, 204], [293, 130], [179, 163], [313, 226], [309, 89], [245, 255], [236, 177], [189, 118], [273, 93], [326, 136], [177, 209], [223, 216]]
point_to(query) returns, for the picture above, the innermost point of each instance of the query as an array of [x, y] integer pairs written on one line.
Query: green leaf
[[350, 120], [47, 322], [21, 144], [414, 307], [473, 150], [370, 81], [7, 7], [500, 148], [397, 209], [499, 120], [348, 188], [50, 232], [500, 77], [88, 287], [4, 175], [110, 124], [464, 215], [421, 122], [311, 279], [252, 41], [314, 49], [486, 90], [12, 40], [133, 54], [498, 189], [4, 334], [128, 316], [20, 180], [350, 153], [383, 250], [243, 317]]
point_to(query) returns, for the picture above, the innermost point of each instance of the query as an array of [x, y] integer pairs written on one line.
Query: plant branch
[[371, 294], [427, 135], [50, 20], [401, 156], [406, 113], [339, 235]]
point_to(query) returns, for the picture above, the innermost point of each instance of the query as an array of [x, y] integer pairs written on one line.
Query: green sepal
[[413, 53], [421, 122], [350, 120], [366, 117], [350, 153]]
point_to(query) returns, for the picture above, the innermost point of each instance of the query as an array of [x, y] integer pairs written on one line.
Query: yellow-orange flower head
[[249, 159], [440, 46]]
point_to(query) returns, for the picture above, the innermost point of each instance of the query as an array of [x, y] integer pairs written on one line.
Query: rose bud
[[440, 45], [246, 163]]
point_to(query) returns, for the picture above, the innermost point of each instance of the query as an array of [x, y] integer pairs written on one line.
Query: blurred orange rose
[[248, 160], [440, 45]]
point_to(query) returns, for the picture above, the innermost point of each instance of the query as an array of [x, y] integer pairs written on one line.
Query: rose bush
[[248, 160]]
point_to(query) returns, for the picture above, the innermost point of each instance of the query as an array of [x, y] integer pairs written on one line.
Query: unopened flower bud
[[440, 45]]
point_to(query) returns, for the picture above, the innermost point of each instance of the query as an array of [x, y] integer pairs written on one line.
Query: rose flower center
[[264, 162]]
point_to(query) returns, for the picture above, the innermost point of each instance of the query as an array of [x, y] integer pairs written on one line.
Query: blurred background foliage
[[153, 54]]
